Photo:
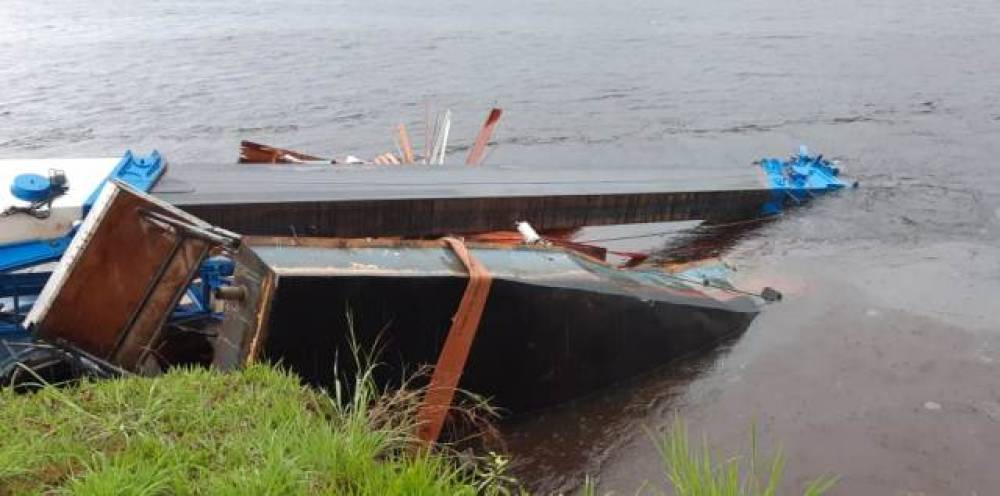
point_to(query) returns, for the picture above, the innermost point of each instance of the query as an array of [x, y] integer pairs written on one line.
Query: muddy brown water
[[882, 362]]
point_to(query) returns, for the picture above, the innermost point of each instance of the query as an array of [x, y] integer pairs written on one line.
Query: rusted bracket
[[210, 234], [451, 361]]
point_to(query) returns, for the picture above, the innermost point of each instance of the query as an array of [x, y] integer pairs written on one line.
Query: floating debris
[[257, 153], [406, 149], [441, 139], [479, 148]]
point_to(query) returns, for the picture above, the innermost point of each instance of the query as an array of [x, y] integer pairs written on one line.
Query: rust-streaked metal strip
[[451, 360]]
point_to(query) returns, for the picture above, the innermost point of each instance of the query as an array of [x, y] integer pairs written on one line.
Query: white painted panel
[[83, 176]]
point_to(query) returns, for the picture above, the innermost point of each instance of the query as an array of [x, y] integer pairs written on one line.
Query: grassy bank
[[690, 470], [201, 432], [695, 471], [259, 432]]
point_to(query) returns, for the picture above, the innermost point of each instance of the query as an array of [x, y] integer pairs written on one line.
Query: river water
[[880, 365]]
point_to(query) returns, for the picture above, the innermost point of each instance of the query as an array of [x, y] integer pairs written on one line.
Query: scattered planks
[[479, 148], [442, 128], [406, 149], [258, 153], [386, 158], [436, 145]]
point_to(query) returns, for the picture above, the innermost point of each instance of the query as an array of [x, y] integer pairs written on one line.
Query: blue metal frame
[[16, 256], [18, 291], [798, 179], [139, 172], [214, 273], [17, 294]]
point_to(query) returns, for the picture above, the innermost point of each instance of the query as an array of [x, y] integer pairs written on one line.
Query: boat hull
[[536, 346], [556, 325]]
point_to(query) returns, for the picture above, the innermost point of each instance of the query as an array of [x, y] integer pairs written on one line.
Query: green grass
[[259, 432], [256, 431], [695, 472]]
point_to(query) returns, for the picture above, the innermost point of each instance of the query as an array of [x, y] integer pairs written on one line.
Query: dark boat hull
[[361, 201], [536, 346], [556, 326]]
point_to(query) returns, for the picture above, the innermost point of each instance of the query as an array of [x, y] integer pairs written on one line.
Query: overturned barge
[[528, 326], [364, 200], [306, 199], [554, 324]]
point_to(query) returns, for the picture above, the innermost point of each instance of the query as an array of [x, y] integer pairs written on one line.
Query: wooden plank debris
[[386, 159], [258, 153], [479, 148], [404, 144]]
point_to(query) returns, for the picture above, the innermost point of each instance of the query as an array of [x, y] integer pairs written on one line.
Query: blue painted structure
[[798, 179], [141, 172], [16, 256], [213, 274], [17, 294], [31, 187], [18, 290]]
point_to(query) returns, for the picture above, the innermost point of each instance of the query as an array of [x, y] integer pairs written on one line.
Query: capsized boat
[[363, 201], [45, 199], [555, 324]]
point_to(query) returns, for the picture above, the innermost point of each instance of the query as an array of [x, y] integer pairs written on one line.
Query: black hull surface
[[359, 201], [536, 346], [544, 338]]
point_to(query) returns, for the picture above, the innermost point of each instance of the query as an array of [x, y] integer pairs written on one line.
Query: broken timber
[[420, 201], [257, 153], [483, 138]]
